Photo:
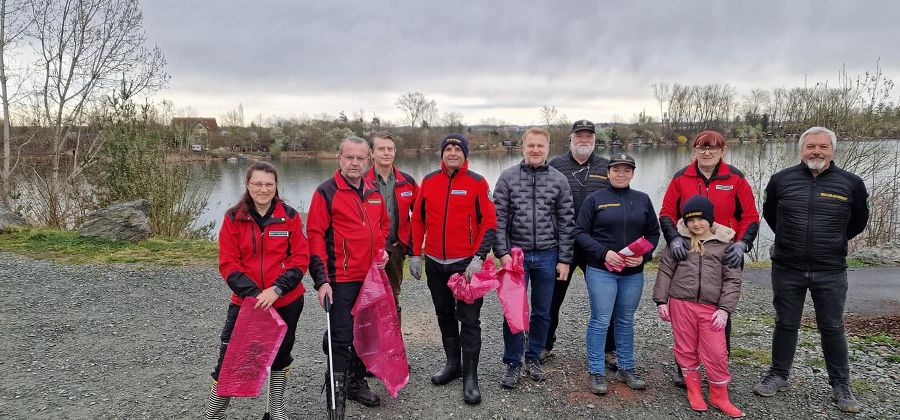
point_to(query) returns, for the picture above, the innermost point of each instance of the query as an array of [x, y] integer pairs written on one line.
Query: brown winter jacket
[[700, 278]]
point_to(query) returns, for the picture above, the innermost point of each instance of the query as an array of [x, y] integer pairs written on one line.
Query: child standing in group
[[696, 295]]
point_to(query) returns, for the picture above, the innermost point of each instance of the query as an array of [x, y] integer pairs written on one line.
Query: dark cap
[[621, 159], [583, 125], [698, 206], [457, 139]]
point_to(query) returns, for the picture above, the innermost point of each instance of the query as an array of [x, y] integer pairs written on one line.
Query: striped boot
[[215, 405], [277, 383]]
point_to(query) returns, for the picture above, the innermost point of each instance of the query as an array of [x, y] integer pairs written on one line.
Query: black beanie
[[457, 139], [698, 206]]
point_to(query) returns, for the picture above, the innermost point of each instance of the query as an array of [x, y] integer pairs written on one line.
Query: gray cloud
[[512, 54]]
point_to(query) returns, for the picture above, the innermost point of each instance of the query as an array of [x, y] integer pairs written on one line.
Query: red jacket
[[729, 192], [454, 215], [345, 233], [251, 260], [405, 193]]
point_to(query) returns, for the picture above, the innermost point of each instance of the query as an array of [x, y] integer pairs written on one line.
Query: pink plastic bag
[[254, 343], [376, 332], [513, 294], [482, 282], [638, 248]]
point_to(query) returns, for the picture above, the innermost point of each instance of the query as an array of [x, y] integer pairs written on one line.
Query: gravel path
[[133, 342]]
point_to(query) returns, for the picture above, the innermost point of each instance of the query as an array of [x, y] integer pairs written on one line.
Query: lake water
[[655, 167]]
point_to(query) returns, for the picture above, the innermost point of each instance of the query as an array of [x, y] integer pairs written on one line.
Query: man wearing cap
[[454, 224], [814, 208], [534, 213], [586, 173]]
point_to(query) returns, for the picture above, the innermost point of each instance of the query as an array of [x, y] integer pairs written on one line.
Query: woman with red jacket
[[263, 253], [732, 197]]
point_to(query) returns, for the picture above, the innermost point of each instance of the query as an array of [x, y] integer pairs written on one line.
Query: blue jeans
[[612, 293], [540, 271]]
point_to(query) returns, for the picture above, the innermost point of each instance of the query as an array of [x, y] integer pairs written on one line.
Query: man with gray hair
[[347, 228], [814, 208]]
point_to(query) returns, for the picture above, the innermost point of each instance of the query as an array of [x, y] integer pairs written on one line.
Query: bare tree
[[85, 49], [13, 22], [416, 107], [549, 114]]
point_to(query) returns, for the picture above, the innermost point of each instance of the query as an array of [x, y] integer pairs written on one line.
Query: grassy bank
[[69, 248]]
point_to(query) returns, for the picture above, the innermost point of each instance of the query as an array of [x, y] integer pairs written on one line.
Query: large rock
[[123, 221], [9, 219], [882, 255]]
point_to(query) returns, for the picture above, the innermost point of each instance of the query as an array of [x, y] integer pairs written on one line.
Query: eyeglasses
[[262, 185], [707, 149], [355, 158]]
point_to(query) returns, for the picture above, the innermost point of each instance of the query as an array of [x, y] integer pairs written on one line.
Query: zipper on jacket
[[364, 215], [262, 277], [446, 209], [809, 217], [344, 247], [469, 225], [699, 276], [534, 211]]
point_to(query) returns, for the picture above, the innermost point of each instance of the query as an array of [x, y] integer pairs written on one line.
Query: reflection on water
[[299, 178]]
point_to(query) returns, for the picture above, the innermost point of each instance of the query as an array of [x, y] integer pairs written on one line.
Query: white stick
[[330, 363]]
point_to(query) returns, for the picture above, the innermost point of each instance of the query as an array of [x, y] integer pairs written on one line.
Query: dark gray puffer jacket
[[534, 211]]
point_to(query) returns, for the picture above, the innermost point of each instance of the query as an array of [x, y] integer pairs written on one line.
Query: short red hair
[[709, 138]]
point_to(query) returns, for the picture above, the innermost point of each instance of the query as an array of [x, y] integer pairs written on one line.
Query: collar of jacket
[[721, 171], [343, 185], [718, 232], [528, 168], [371, 174], [461, 171], [277, 213], [620, 190]]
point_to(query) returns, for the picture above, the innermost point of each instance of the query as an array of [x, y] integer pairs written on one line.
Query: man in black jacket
[[814, 208], [586, 173], [534, 213]]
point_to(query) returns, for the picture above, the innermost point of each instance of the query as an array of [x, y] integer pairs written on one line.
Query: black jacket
[[611, 219], [534, 211], [583, 178], [814, 217]]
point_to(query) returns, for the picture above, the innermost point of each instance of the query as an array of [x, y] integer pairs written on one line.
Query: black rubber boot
[[452, 369], [340, 396], [471, 393]]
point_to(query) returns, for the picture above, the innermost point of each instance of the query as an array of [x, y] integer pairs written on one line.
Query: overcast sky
[[503, 59]]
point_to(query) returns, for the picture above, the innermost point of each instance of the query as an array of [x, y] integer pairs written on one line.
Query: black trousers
[[344, 356], [455, 317], [559, 295], [829, 292], [289, 313]]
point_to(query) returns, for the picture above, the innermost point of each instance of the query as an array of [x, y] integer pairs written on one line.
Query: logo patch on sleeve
[[277, 233], [458, 192], [603, 206], [724, 187], [406, 194]]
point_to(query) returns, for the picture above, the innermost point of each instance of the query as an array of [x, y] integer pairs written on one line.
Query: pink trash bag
[[482, 282], [254, 343], [376, 332], [638, 248], [513, 294]]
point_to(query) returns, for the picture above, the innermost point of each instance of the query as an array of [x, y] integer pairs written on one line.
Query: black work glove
[[679, 248], [734, 254]]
